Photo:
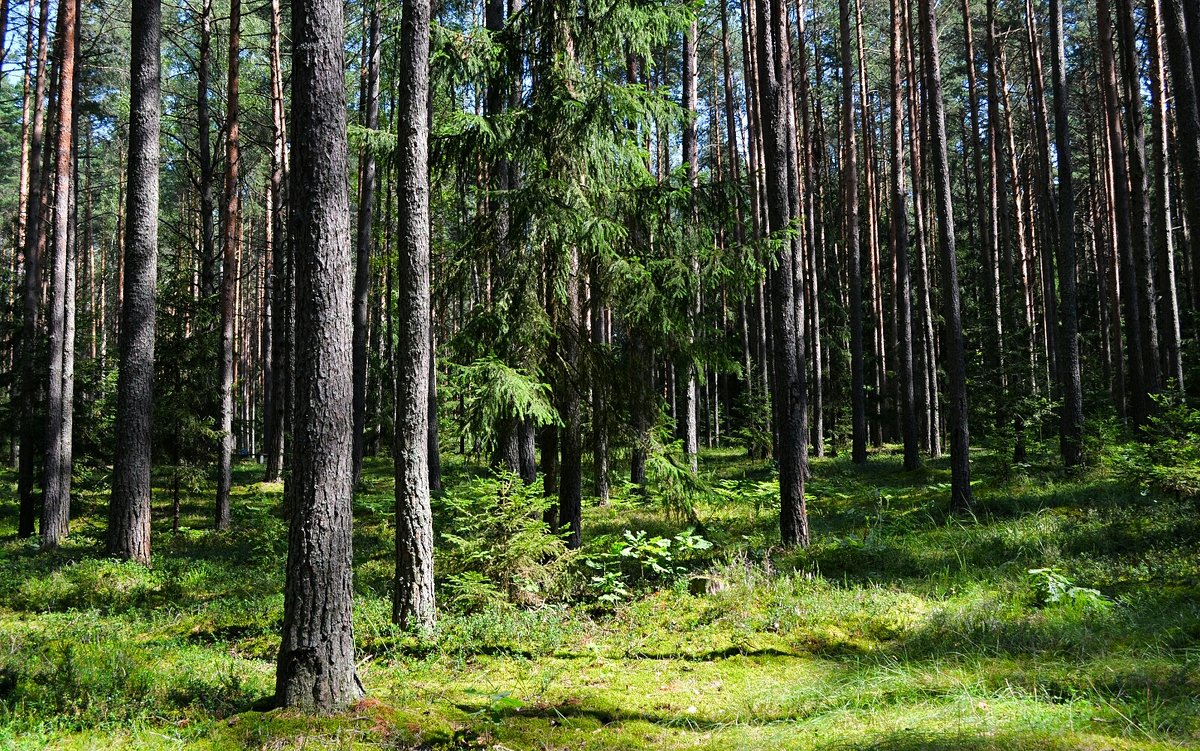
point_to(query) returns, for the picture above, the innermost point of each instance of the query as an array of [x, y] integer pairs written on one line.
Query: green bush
[[495, 545], [1168, 457]]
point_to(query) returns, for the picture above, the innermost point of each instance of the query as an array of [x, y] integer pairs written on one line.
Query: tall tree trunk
[[281, 270], [56, 501], [369, 104], [1164, 238], [413, 605], [35, 238], [230, 270], [1122, 215], [688, 418], [955, 355], [1070, 374], [1139, 196], [1184, 60], [790, 390], [908, 412], [316, 654], [208, 261], [129, 506], [850, 239]]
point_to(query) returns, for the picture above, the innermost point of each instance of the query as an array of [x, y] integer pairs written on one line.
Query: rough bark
[[56, 499], [413, 605], [789, 393], [316, 655], [954, 350], [129, 506]]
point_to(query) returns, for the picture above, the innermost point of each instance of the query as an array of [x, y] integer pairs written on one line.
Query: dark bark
[[908, 413], [208, 278], [316, 655], [790, 393], [129, 506], [1070, 374], [1122, 215], [369, 104], [35, 238], [954, 350], [413, 605], [56, 499]]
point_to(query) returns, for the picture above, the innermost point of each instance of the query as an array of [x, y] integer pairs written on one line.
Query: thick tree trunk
[[413, 605], [129, 506], [35, 239], [790, 390], [56, 500], [316, 655], [955, 355]]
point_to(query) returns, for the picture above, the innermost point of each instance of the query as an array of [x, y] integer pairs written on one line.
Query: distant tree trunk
[[230, 271], [316, 655], [688, 417], [908, 412], [35, 238], [850, 239], [1122, 215], [56, 501], [1184, 60], [129, 506], [1139, 196], [281, 270], [208, 274], [1164, 239], [434, 449], [955, 355], [1070, 375], [413, 605], [599, 393], [369, 105], [789, 393]]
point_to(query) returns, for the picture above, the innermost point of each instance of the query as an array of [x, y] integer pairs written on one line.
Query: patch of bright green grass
[[902, 627]]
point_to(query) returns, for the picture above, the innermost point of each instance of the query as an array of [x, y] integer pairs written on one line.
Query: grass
[[902, 627]]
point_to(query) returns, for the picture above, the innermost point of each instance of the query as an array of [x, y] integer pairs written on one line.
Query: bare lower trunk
[[129, 506], [316, 654]]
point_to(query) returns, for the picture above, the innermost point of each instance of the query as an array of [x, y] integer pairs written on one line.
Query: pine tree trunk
[[129, 506], [413, 605], [850, 241], [35, 238], [1070, 374], [789, 393], [316, 655], [208, 261], [369, 105], [229, 272], [56, 500], [275, 408], [955, 355], [908, 412]]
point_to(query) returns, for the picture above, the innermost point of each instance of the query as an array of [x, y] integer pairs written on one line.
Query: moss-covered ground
[[902, 627]]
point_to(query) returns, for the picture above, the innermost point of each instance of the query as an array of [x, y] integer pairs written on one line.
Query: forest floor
[[901, 628]]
